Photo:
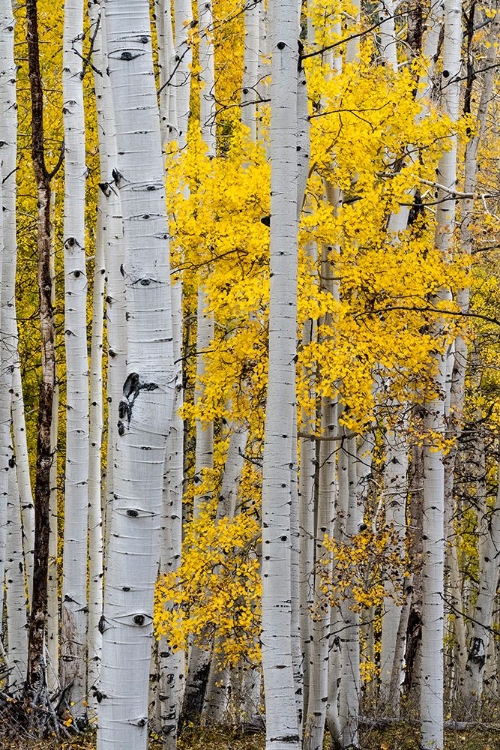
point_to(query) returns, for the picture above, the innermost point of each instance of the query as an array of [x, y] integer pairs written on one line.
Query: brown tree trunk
[[36, 683]]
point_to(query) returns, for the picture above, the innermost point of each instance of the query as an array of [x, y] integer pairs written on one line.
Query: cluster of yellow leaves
[[362, 567], [215, 594], [368, 139]]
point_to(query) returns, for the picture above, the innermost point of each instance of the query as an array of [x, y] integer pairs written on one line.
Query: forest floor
[[401, 737]]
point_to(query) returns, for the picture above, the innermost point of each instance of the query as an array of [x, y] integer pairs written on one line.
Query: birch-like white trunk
[[52, 572], [181, 69], [172, 665], [23, 473], [96, 426], [199, 658], [94, 642], [8, 251], [74, 592], [350, 682], [482, 617], [433, 532], [249, 93], [114, 257], [145, 411], [53, 604], [320, 626], [488, 526], [282, 725], [395, 491], [15, 590], [216, 703], [387, 34]]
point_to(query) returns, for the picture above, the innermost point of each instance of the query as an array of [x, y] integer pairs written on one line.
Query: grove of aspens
[[250, 374]]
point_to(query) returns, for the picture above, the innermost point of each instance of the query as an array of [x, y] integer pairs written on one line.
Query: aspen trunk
[[249, 92], [15, 585], [282, 724], [23, 473], [395, 490], [36, 663], [431, 696], [74, 591], [145, 412]]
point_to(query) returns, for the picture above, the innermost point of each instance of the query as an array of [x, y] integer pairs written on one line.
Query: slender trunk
[[249, 94], [23, 473], [433, 532], [282, 725], [9, 343], [320, 626], [482, 617], [52, 576], [95, 516], [172, 665], [76, 497], [94, 641], [36, 662], [395, 490], [15, 585]]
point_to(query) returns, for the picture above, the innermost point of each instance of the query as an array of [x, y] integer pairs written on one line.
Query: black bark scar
[[131, 389]]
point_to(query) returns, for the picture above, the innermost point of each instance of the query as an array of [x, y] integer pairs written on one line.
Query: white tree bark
[[95, 517], [145, 411], [282, 726], [204, 430], [395, 491], [431, 695], [172, 665], [8, 248], [249, 93], [387, 34], [15, 585], [181, 65], [23, 473], [166, 55], [320, 627], [482, 617], [74, 591], [199, 658], [207, 76], [488, 526], [52, 573], [350, 682]]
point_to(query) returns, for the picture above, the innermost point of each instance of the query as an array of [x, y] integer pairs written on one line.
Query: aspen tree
[[8, 343], [4, 436], [249, 92], [74, 591], [482, 615], [320, 627], [52, 573], [15, 595], [95, 517], [23, 473], [282, 725], [35, 683], [431, 695], [53, 600], [172, 665], [217, 694], [112, 231], [395, 491], [145, 411], [199, 658], [489, 541], [350, 510], [181, 75]]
